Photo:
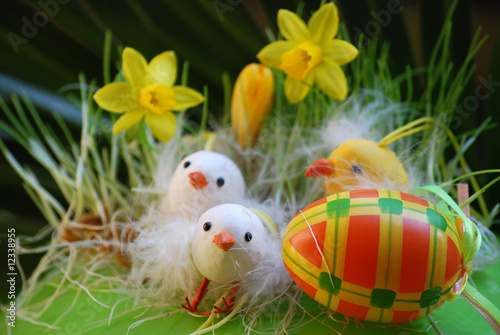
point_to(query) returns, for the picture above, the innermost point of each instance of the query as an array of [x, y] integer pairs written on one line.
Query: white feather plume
[[162, 267]]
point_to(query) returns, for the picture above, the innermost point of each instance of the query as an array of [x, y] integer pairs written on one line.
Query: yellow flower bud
[[253, 98]]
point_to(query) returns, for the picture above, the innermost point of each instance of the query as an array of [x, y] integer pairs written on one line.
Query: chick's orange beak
[[198, 180], [319, 168], [224, 241]]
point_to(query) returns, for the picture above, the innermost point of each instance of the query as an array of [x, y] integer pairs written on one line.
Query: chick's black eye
[[356, 169], [248, 236], [187, 164], [207, 226], [220, 181]]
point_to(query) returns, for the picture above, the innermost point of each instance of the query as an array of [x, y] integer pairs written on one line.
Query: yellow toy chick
[[357, 160], [361, 163]]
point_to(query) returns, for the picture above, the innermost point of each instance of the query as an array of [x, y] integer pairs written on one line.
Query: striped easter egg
[[374, 255]]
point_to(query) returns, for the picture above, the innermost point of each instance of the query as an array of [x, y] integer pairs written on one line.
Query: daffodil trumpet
[[309, 54], [148, 94]]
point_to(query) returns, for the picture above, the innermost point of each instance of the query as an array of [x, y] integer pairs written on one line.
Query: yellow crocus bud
[[253, 98]]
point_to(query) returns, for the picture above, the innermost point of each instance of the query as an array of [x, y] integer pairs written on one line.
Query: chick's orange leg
[[228, 303], [198, 297]]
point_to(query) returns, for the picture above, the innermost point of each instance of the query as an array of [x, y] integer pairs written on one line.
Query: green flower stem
[[489, 311], [107, 57]]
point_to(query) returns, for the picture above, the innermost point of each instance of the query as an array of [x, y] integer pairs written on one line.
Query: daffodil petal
[[330, 79], [127, 120], [340, 52], [186, 97], [162, 125], [292, 26], [134, 67], [271, 54], [296, 89], [163, 69], [116, 97], [324, 23]]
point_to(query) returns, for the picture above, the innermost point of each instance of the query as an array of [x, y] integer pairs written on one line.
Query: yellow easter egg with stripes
[[374, 255]]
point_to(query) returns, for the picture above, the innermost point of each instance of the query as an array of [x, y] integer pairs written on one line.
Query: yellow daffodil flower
[[252, 101], [148, 94], [310, 54]]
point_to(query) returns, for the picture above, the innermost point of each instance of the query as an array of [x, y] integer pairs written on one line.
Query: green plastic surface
[[85, 316]]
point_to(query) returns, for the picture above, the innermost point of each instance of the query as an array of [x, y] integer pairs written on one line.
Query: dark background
[[215, 36]]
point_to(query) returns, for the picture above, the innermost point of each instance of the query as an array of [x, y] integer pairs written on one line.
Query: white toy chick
[[229, 242], [162, 252], [202, 180]]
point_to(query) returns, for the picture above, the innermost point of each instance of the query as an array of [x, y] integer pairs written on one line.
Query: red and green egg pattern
[[374, 255]]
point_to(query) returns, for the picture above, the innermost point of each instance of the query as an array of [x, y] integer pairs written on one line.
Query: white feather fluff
[[269, 280], [489, 252], [162, 267], [370, 116]]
